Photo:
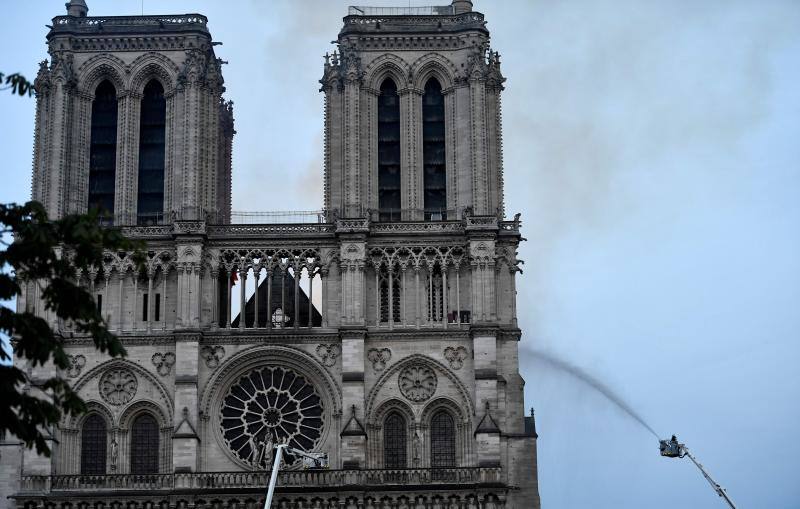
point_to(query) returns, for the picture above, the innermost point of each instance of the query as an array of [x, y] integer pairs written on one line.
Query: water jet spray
[[673, 449]]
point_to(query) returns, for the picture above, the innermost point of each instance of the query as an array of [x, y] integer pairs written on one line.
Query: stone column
[[484, 345], [189, 243], [354, 295], [477, 93], [185, 441], [125, 199], [353, 438], [411, 184]]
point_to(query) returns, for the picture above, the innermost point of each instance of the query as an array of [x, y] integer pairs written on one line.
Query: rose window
[[270, 405], [118, 386], [417, 382]]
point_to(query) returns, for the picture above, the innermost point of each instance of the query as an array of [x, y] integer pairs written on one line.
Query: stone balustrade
[[257, 481], [93, 22]]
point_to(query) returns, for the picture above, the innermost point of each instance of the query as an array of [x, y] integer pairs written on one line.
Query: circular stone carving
[[118, 386], [270, 404], [417, 382]]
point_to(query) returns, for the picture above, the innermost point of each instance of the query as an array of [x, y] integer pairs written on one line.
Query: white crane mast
[[317, 459]]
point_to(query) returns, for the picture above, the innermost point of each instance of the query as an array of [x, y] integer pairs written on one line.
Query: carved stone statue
[[416, 447], [114, 453]]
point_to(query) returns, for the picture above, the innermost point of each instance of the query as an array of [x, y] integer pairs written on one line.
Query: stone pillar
[[185, 441], [353, 294], [411, 190], [189, 240], [352, 135], [353, 438], [477, 95], [125, 195], [332, 135], [484, 345], [59, 146]]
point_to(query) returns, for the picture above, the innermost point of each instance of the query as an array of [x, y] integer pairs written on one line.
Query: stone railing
[[418, 227], [93, 23], [429, 10], [214, 481], [342, 226], [266, 230], [354, 23]]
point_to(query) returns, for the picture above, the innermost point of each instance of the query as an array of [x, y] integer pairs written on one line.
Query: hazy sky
[[653, 150]]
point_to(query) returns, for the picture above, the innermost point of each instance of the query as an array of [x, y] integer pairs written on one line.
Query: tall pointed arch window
[[389, 152], [152, 130], [103, 149], [443, 440], [93, 445], [395, 441], [433, 152], [386, 281], [144, 445]]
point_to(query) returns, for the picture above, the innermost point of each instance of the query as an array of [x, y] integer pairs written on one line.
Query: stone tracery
[[417, 382], [270, 405], [118, 386]]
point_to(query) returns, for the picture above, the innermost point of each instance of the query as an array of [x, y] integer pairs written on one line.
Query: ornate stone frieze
[[417, 256], [328, 354], [76, 364], [455, 356], [212, 355], [118, 386], [189, 227], [417, 382], [163, 362], [379, 357], [147, 231]]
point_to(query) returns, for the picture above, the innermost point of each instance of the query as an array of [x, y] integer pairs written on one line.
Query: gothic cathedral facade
[[383, 335]]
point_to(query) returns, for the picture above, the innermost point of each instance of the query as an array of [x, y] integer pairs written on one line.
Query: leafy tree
[[48, 253], [17, 83]]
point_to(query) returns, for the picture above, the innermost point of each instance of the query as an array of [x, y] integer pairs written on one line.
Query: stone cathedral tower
[[384, 334]]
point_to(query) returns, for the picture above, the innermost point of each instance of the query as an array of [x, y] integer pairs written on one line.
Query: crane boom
[[673, 449], [318, 459], [719, 489]]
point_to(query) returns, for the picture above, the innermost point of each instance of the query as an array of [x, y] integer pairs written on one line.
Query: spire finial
[[462, 6], [77, 8]]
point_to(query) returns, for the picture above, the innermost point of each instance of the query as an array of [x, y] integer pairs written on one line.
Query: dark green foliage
[[17, 83], [48, 253]]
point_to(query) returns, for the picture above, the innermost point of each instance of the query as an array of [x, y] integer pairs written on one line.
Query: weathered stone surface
[[414, 319]]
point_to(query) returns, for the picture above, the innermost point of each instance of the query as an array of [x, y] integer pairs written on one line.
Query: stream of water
[[595, 384]]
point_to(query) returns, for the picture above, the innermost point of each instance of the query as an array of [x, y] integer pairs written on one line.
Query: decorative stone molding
[[455, 356], [118, 386], [379, 357], [163, 362], [189, 228], [212, 355], [328, 354], [76, 364], [417, 382], [464, 396]]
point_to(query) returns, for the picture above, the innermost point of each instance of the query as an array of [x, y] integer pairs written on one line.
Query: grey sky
[[652, 148]]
